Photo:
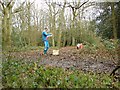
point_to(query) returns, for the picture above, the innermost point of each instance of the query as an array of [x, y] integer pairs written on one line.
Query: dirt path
[[70, 57]]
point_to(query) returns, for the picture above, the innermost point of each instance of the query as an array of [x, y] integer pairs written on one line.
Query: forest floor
[[99, 61]]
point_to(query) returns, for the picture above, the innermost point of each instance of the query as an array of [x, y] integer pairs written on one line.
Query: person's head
[[46, 29]]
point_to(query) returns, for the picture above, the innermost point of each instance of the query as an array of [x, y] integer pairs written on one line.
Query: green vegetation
[[19, 74]]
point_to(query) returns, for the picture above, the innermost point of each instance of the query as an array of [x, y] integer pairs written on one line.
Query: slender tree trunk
[[117, 46], [53, 31], [64, 36], [114, 25], [29, 29], [4, 29], [73, 32], [114, 21], [9, 27], [59, 39]]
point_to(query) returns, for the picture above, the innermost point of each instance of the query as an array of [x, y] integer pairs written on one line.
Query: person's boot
[[45, 52]]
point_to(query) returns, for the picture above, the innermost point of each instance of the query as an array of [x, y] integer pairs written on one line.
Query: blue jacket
[[45, 35]]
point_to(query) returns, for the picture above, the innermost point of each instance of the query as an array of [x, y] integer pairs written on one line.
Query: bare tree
[[61, 24], [7, 13], [52, 19], [74, 7]]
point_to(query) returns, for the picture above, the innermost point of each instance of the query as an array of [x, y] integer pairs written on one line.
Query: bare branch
[[81, 4], [2, 4], [89, 4], [56, 13], [9, 3], [69, 5], [19, 8], [49, 5]]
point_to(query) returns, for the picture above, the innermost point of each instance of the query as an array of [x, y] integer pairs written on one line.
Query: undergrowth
[[28, 74]]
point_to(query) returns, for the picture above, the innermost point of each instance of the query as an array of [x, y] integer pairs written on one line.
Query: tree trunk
[[64, 40], [114, 21], [117, 46], [53, 31], [59, 39], [7, 28], [4, 29]]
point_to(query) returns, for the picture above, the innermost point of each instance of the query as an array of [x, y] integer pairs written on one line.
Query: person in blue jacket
[[45, 36]]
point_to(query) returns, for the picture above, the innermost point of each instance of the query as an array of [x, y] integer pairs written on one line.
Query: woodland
[[94, 24]]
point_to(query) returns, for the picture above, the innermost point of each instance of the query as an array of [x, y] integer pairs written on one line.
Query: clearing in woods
[[99, 61]]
